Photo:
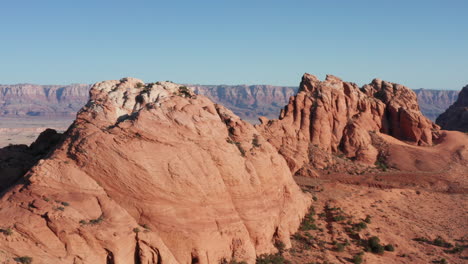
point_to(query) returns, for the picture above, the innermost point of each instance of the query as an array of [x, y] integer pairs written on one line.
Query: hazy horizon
[[419, 44], [221, 84]]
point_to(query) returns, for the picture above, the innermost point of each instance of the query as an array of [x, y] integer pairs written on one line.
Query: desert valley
[[160, 173]]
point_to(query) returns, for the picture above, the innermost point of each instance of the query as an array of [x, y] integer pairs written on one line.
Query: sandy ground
[[398, 215], [26, 130]]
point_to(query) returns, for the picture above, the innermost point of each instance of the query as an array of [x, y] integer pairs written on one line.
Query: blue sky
[[415, 43]]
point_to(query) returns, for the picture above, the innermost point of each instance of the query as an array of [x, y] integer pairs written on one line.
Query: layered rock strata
[[152, 173], [334, 116]]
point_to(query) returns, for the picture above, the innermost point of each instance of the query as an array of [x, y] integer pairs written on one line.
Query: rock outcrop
[[16, 160], [456, 116], [434, 102], [339, 117], [152, 173], [23, 100]]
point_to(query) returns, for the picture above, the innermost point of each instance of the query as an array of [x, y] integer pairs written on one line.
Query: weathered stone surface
[[152, 173], [336, 117], [16, 160]]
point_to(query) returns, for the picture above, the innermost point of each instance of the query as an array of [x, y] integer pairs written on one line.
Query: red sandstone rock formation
[[339, 117], [456, 116], [153, 174], [16, 160]]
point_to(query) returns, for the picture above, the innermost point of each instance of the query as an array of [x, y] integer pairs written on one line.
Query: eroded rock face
[[16, 160], [152, 173], [333, 116], [456, 116]]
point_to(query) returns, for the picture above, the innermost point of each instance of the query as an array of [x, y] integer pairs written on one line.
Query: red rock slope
[[153, 174], [333, 116]]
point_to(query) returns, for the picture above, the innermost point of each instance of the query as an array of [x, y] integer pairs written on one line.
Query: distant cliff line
[[247, 101]]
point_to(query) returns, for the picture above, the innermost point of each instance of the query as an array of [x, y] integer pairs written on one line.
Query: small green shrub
[[442, 261], [456, 249], [380, 164], [280, 246], [440, 242], [97, 220], [24, 260], [306, 240], [270, 259], [184, 91], [373, 241], [59, 208], [314, 198], [339, 218], [308, 223], [255, 141], [136, 230], [65, 204], [357, 259], [140, 85], [421, 239], [359, 226], [8, 231], [339, 247], [374, 245], [368, 219], [389, 247]]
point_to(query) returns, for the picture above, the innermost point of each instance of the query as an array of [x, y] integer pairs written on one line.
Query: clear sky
[[415, 43]]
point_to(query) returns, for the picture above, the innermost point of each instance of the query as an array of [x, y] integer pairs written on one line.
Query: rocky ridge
[[334, 116], [247, 101], [456, 116], [152, 173]]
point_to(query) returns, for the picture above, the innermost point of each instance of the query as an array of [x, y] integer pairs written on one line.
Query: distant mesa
[[434, 102], [247, 101], [31, 100]]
